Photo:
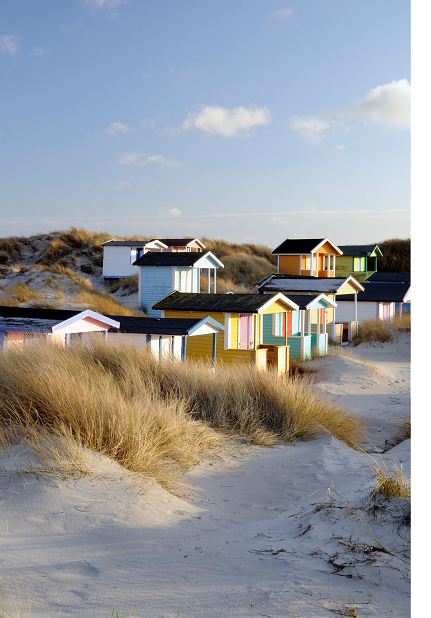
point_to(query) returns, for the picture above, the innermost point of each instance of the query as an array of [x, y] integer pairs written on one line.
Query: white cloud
[[40, 51], [172, 212], [311, 128], [281, 14], [388, 104], [136, 158], [117, 127], [108, 6], [341, 147], [227, 122], [163, 161], [9, 43]]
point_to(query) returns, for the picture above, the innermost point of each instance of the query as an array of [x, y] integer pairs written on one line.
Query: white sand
[[259, 534]]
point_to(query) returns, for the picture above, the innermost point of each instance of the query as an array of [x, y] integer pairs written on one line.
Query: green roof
[[361, 250], [235, 303]]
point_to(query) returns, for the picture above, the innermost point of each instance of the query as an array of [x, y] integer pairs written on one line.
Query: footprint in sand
[[75, 570]]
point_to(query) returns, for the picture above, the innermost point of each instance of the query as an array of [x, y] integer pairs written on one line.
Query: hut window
[[278, 325]]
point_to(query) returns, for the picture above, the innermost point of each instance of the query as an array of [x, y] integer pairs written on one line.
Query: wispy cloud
[[41, 51], [388, 105], [172, 212], [108, 5], [117, 127], [136, 158], [341, 147], [281, 14], [9, 43], [227, 122], [311, 128]]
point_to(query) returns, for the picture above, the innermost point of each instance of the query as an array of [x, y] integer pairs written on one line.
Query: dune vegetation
[[381, 330], [156, 418]]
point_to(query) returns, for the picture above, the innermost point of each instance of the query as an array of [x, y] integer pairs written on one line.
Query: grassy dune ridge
[[156, 418]]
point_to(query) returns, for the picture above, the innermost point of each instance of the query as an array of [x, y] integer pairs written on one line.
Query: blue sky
[[250, 120]]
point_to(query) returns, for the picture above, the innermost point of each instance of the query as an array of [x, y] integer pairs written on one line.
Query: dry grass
[[103, 302], [223, 286], [156, 418], [23, 293], [404, 433], [390, 483], [380, 330], [128, 285], [71, 395]]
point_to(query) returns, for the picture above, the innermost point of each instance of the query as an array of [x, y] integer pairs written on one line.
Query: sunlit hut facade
[[242, 317], [358, 260], [313, 257], [306, 329], [333, 288], [20, 327]]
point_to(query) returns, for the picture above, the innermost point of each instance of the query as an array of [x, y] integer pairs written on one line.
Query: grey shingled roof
[[357, 250], [235, 303], [295, 283], [29, 324], [153, 326], [380, 293], [389, 277]]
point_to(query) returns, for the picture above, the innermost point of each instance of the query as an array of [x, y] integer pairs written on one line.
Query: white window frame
[[277, 324]]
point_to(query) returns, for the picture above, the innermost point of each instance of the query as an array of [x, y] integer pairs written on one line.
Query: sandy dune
[[285, 531]]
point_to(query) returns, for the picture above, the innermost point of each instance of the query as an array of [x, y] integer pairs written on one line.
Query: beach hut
[[20, 327], [183, 244], [162, 273], [306, 328], [358, 260], [164, 337], [307, 257], [120, 255], [382, 301], [241, 316], [333, 287]]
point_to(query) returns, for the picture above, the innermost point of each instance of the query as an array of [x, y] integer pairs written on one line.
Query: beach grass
[[381, 330], [156, 418]]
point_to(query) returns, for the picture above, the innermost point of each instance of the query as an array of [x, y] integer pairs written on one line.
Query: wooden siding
[[267, 337], [321, 344], [347, 288], [288, 264], [294, 344], [277, 307], [327, 249], [200, 348], [156, 283], [346, 311]]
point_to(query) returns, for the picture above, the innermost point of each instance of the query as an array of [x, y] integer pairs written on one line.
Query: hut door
[[245, 331]]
